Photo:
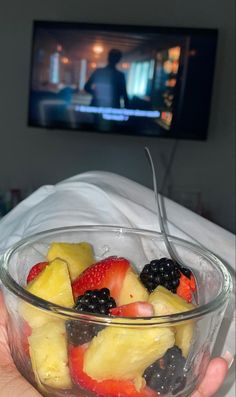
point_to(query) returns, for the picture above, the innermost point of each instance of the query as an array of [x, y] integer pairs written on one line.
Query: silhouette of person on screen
[[107, 85]]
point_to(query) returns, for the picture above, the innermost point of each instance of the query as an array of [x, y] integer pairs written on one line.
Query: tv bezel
[[129, 28]]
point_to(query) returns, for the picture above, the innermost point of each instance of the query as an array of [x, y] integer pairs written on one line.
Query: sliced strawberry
[[186, 288], [35, 270], [135, 309], [107, 273], [109, 387]]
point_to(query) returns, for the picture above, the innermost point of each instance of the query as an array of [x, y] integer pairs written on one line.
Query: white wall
[[30, 157]]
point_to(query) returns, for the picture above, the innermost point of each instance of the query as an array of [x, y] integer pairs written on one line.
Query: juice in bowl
[[102, 311]]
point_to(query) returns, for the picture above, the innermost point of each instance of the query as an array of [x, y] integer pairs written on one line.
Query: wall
[[31, 157]]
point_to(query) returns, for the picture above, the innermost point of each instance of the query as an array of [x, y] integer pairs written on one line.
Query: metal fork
[[161, 211]]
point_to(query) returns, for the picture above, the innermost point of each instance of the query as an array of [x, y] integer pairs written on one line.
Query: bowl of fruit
[[104, 311]]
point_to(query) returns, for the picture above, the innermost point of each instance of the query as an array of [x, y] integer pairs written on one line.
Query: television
[[131, 80]]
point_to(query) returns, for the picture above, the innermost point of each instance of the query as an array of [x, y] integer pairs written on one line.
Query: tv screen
[[145, 81]]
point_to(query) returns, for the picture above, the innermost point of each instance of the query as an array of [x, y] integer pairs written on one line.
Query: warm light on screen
[[98, 49], [65, 60], [125, 65], [167, 117], [170, 83], [175, 67], [167, 66], [174, 53]]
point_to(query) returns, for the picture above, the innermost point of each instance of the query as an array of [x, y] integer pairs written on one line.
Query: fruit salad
[[106, 359]]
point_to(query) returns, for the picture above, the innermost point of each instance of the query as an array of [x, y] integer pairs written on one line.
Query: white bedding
[[105, 198]]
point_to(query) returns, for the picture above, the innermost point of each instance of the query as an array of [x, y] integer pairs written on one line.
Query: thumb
[[213, 379]]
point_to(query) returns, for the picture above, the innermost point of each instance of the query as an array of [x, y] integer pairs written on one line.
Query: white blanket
[[109, 199]]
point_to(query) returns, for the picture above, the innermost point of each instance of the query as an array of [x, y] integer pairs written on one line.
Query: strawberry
[[186, 287], [107, 273], [35, 270], [135, 309], [109, 387]]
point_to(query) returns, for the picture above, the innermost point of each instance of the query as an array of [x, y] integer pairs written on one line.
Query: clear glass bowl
[[214, 286]]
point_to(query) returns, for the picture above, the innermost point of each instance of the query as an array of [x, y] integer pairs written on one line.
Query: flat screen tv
[[135, 80]]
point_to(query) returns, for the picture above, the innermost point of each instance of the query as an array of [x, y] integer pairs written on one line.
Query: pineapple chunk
[[124, 353], [132, 289], [78, 256], [184, 336], [52, 284], [165, 302], [48, 353]]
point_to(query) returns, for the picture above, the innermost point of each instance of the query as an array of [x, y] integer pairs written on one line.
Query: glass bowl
[[51, 370]]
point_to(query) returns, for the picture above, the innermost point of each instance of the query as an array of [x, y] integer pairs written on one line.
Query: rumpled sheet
[[104, 198]]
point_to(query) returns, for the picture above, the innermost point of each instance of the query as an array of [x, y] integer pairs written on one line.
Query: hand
[[14, 385], [213, 379], [11, 382]]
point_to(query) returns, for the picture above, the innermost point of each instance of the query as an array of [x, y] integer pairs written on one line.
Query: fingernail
[[228, 358]]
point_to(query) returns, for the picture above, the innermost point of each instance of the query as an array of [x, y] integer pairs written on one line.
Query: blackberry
[[80, 332], [187, 272], [92, 301], [167, 374], [165, 272], [96, 301]]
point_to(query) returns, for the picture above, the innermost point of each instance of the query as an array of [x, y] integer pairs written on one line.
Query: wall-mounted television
[[135, 80]]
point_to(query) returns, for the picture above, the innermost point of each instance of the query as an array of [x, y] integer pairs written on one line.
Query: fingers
[[13, 384], [5, 357], [213, 379], [228, 357], [3, 313]]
